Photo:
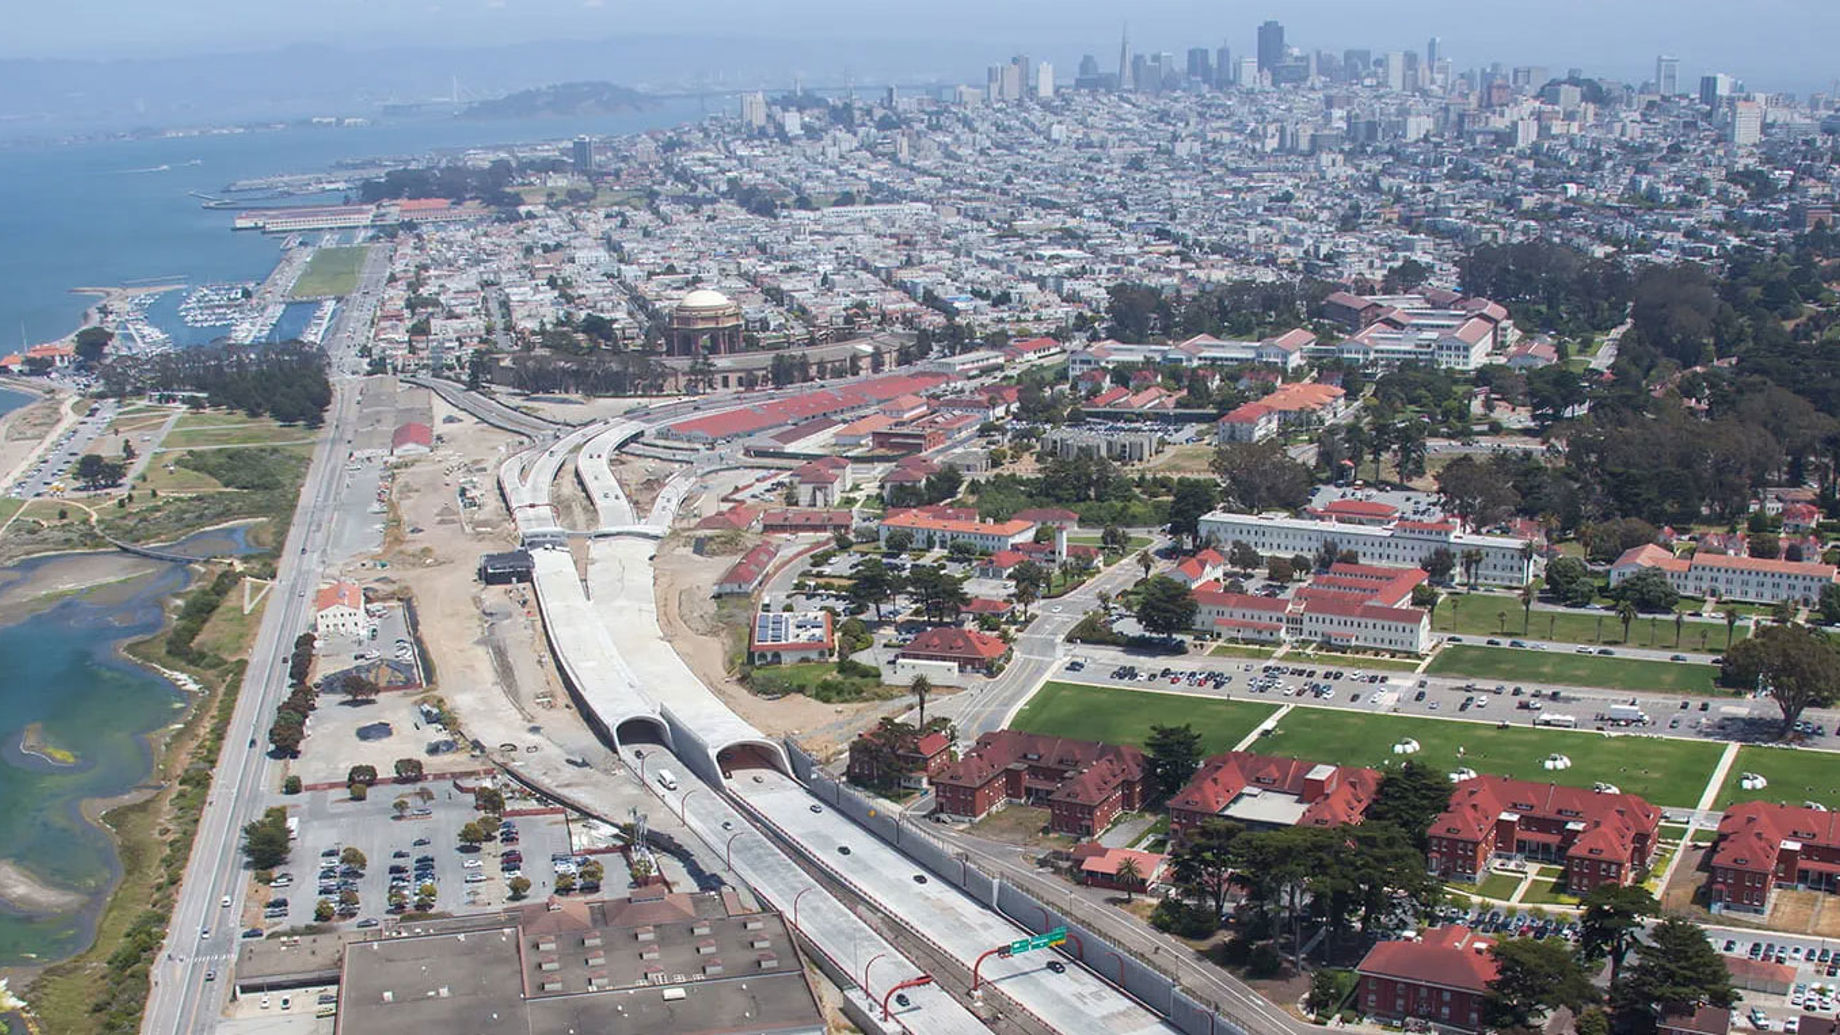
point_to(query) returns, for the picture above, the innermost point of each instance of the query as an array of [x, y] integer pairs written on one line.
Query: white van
[[666, 780]]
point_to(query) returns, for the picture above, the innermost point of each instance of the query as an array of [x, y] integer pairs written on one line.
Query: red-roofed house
[[338, 610], [1600, 837], [1762, 846], [933, 533], [1032, 348], [820, 482], [897, 753], [1704, 1019], [1204, 566], [738, 518], [1099, 866], [744, 577], [1798, 518], [970, 650], [1442, 977], [1266, 793], [1084, 785], [999, 565]]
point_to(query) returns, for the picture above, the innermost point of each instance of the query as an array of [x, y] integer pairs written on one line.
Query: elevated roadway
[[725, 754]]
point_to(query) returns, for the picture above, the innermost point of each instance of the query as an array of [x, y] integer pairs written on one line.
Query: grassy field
[[1134, 544], [257, 432], [1496, 615], [1125, 716], [1240, 650], [1511, 665], [1667, 772], [331, 271], [1543, 893], [1795, 775]]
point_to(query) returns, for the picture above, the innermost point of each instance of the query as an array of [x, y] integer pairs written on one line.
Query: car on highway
[[1057, 966]]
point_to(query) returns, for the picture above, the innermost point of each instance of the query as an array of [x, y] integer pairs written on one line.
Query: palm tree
[[1626, 613], [1731, 624], [1472, 560], [1144, 562], [1501, 619], [1680, 622], [1128, 875], [920, 687], [1528, 593]]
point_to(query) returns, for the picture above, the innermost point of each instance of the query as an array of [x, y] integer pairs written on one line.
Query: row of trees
[[286, 382], [289, 729]]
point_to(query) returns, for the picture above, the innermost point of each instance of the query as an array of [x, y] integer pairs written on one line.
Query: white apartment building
[[1754, 579], [1504, 561], [1342, 623]]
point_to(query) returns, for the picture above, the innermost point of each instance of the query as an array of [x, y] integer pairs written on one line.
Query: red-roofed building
[[824, 403], [1728, 577], [1763, 846], [897, 753], [1355, 512], [820, 482], [738, 518], [935, 533], [976, 606], [1266, 793], [796, 521], [1350, 605], [411, 438], [338, 610], [1099, 866], [999, 565], [1084, 785], [1032, 348], [1204, 566], [1442, 977], [1304, 401], [745, 575], [970, 650], [1059, 517], [1705, 1019], [1599, 837]]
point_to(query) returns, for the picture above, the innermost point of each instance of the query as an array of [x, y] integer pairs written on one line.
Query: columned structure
[[705, 323]]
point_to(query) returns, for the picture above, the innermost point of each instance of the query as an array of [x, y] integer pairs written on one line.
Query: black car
[[1057, 966]]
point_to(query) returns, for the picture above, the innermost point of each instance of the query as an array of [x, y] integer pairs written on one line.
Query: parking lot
[[396, 726], [424, 843], [56, 461]]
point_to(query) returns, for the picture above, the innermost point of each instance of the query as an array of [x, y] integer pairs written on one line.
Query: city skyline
[[1619, 42]]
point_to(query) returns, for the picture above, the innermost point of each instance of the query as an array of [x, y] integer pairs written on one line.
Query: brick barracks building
[[1762, 846], [1599, 838], [1083, 785]]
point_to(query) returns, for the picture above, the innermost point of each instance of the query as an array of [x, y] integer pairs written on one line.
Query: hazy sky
[[1772, 44]]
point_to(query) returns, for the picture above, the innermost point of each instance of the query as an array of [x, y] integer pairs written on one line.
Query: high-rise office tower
[[583, 154], [1089, 65], [1271, 46], [1223, 66], [1125, 82], [1025, 71], [1356, 64], [1713, 89], [1200, 65], [1434, 49], [1667, 75], [1395, 70], [1246, 73], [1044, 80]]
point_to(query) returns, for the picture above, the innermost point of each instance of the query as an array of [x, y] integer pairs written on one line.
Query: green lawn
[[1543, 893], [1512, 665], [1500, 616], [1373, 662], [1134, 544], [331, 271], [1795, 775], [1666, 771], [1498, 886], [1125, 716], [1240, 650], [260, 432]]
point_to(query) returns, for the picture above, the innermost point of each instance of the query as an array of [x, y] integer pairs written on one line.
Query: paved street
[[186, 997]]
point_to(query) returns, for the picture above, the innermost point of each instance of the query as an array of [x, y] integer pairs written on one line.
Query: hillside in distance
[[584, 98]]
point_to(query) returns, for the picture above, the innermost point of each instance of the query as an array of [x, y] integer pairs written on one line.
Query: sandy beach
[[21, 593]]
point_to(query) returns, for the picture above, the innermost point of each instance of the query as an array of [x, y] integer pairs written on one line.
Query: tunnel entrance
[[642, 730], [751, 754]]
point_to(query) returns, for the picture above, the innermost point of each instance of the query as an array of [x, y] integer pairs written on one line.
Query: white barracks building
[[1505, 561]]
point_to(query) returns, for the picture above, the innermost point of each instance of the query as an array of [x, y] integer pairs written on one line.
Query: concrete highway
[[187, 994]]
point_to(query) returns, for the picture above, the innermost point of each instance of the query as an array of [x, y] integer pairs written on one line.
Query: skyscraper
[[1271, 46], [1434, 49], [1395, 70], [754, 109], [1714, 88], [1667, 75], [1223, 66], [1044, 80], [584, 155], [1125, 82], [1200, 65], [1746, 123]]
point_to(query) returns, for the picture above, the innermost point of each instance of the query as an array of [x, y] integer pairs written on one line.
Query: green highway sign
[[1058, 936]]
